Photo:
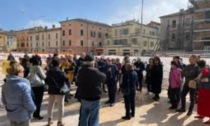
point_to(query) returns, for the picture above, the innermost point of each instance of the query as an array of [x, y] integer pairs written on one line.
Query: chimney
[[53, 26]]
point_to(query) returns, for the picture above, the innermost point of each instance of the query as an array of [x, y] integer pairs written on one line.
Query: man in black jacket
[[89, 82], [139, 67]]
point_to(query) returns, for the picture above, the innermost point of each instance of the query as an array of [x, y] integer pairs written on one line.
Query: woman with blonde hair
[[19, 104], [130, 80]]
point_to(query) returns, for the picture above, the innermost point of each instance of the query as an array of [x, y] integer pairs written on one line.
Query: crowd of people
[[29, 78]]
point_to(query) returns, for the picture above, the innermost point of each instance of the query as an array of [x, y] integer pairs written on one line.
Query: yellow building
[[11, 41], [132, 38], [2, 41]]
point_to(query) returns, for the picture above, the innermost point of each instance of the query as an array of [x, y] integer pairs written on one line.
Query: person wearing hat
[[89, 81]]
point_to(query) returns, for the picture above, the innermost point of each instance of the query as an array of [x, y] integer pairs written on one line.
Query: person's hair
[[193, 56], [55, 62], [151, 59], [176, 57], [158, 59], [12, 62], [129, 66], [34, 60], [14, 69], [174, 63], [202, 63], [126, 57]]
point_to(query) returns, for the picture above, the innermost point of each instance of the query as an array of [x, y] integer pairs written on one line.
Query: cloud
[[42, 23], [153, 9]]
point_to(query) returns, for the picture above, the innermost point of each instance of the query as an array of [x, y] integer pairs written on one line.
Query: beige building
[[81, 35], [2, 41], [132, 38], [201, 35], [176, 31], [45, 40], [11, 40]]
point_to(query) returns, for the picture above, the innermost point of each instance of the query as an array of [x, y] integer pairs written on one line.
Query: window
[[134, 41], [91, 33], [69, 42], [187, 21], [81, 43], [145, 43], [63, 32], [106, 35], [43, 44], [100, 44], [48, 36], [56, 43], [42, 37], [116, 33], [37, 37], [93, 44], [187, 36], [30, 38], [69, 31], [64, 43], [81, 25], [99, 35], [174, 23], [151, 44], [37, 44], [81, 32], [173, 37], [124, 31], [56, 35], [49, 44]]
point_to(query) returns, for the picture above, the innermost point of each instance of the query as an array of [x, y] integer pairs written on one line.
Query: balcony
[[201, 20]]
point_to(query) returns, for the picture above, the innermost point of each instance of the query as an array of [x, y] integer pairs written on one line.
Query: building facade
[[176, 31], [2, 41], [81, 35], [23, 40], [11, 41], [201, 39], [44, 40], [132, 38]]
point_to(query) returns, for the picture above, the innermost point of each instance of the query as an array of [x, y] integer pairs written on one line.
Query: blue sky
[[19, 14]]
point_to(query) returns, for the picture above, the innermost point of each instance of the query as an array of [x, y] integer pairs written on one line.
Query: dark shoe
[[111, 105], [107, 102], [126, 118], [199, 117], [60, 123], [132, 115], [189, 113], [38, 117], [173, 107], [180, 110]]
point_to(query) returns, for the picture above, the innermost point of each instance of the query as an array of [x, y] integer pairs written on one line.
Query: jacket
[[175, 78], [140, 67], [89, 83], [113, 74], [190, 72], [40, 72], [16, 96], [130, 80], [56, 79]]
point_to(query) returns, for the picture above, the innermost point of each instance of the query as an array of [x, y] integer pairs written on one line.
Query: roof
[[10, 33], [153, 22], [41, 29], [87, 21], [188, 11]]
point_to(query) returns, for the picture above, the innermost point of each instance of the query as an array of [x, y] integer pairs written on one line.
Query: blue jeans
[[89, 113]]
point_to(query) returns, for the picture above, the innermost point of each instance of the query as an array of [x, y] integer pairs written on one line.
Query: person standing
[[175, 83], [148, 80], [16, 96], [190, 73], [128, 87], [56, 79], [102, 68], [157, 77], [10, 57], [89, 81], [112, 74], [139, 67], [36, 78]]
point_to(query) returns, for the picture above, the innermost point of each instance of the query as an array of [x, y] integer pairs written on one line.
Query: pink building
[[80, 35]]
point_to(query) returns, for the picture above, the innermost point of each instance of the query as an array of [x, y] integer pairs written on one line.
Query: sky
[[21, 14]]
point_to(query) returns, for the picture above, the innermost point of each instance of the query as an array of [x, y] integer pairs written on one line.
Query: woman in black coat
[[130, 80], [149, 69], [157, 77]]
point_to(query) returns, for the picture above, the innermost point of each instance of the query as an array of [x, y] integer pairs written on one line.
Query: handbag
[[34, 79], [192, 84], [64, 89]]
